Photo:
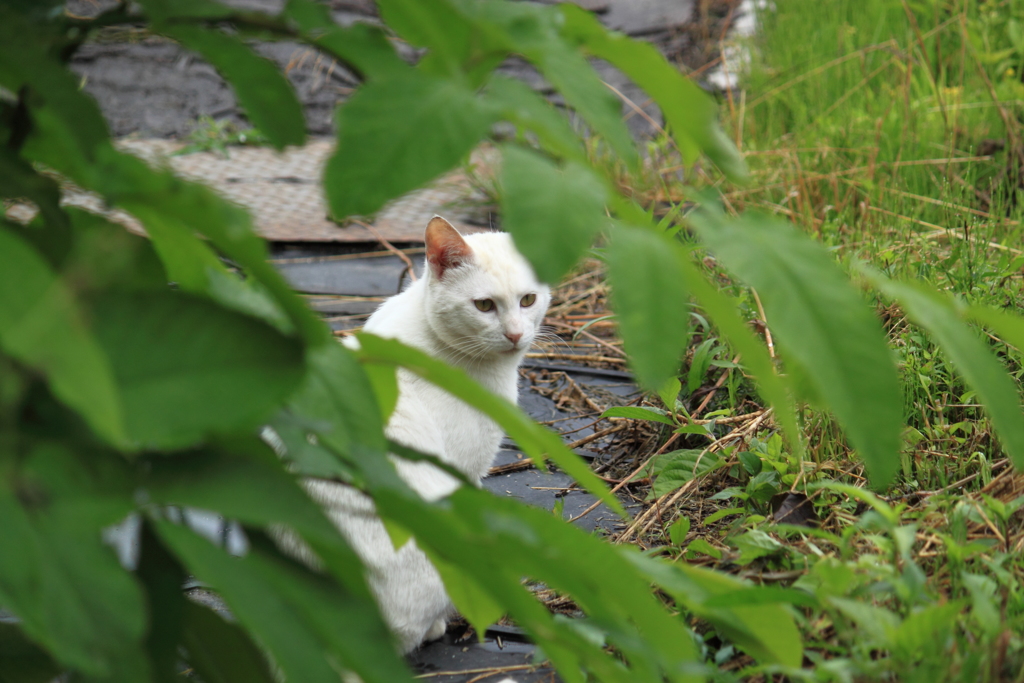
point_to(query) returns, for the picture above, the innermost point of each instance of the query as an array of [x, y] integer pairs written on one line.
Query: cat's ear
[[446, 248]]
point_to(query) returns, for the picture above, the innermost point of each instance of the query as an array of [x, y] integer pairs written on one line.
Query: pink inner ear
[[445, 247]]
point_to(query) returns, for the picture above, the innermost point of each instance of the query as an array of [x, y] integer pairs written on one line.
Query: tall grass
[[892, 132]]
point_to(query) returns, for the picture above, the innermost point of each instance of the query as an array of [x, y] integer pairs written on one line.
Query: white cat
[[478, 306]]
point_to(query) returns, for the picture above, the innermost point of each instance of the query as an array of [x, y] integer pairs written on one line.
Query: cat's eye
[[484, 305], [527, 300]]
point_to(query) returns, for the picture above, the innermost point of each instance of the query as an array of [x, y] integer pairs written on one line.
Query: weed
[[211, 135], [890, 131]]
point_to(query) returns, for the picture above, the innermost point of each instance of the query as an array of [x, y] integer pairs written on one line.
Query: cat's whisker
[[548, 339]]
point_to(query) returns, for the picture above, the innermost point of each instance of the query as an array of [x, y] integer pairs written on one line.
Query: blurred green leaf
[[822, 323], [23, 661], [333, 400], [511, 541], [263, 91], [753, 352], [161, 577], [103, 255], [304, 620], [439, 26], [536, 441], [69, 135], [877, 624], [220, 651], [766, 631], [517, 103], [69, 591], [40, 326], [688, 110], [186, 367], [25, 62], [649, 297], [996, 395], [553, 213], [926, 631], [939, 314], [473, 602], [365, 49], [394, 135], [19, 180], [245, 481], [362, 47]]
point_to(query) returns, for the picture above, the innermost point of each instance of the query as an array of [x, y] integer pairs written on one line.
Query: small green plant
[[211, 135]]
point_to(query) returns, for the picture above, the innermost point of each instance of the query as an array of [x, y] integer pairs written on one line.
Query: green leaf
[[751, 462], [699, 364], [669, 393], [70, 136], [439, 26], [21, 181], [635, 413], [25, 61], [766, 631], [567, 70], [1011, 328], [536, 441], [755, 357], [186, 367], [239, 482], [699, 545], [940, 315], [688, 110], [23, 661], [755, 544], [336, 397], [395, 135], [220, 651], [263, 91], [161, 577], [56, 575], [245, 481], [673, 469], [926, 631], [553, 213], [984, 611], [305, 621], [677, 532], [878, 625], [473, 602], [534, 32], [384, 380], [303, 450], [104, 256], [41, 327], [649, 297], [362, 47], [511, 541], [822, 324], [517, 103]]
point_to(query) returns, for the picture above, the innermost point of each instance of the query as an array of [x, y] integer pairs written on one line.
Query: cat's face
[[484, 300]]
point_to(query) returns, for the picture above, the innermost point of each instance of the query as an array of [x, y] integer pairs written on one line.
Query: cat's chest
[[448, 427]]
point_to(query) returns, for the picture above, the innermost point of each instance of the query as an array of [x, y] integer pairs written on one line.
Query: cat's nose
[[514, 337]]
